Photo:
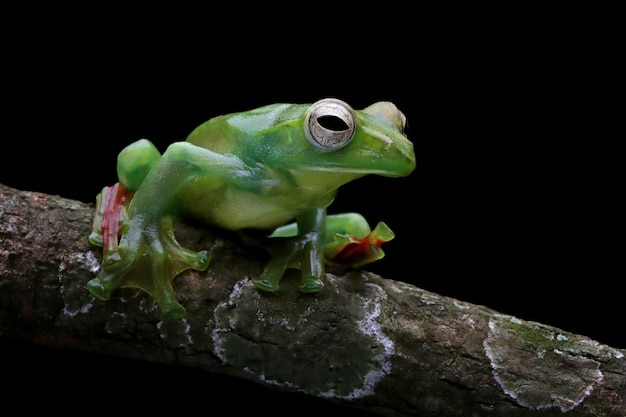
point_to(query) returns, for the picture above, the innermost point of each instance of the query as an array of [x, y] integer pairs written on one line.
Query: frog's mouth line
[[358, 172]]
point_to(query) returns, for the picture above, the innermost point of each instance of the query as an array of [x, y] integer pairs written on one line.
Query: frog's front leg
[[304, 251], [148, 256]]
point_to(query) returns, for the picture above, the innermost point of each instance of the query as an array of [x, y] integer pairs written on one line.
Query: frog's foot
[[148, 258], [292, 252], [356, 252]]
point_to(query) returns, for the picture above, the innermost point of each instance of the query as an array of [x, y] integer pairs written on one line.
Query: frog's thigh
[[353, 224]]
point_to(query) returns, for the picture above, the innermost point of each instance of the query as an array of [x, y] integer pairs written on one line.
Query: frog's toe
[[311, 285], [98, 290], [202, 260], [266, 284], [173, 312]]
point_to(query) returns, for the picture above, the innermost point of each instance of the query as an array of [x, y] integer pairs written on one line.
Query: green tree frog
[[276, 168]]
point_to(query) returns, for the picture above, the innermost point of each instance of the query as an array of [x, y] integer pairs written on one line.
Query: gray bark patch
[[328, 348]]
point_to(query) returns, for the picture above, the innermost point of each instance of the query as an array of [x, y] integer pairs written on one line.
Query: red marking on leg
[[111, 216], [358, 250]]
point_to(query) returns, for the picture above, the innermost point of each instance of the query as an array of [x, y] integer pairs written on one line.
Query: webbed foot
[[356, 252]]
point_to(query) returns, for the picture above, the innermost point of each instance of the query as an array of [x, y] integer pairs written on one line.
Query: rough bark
[[365, 341]]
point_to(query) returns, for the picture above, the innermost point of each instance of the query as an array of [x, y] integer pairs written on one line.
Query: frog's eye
[[329, 124]]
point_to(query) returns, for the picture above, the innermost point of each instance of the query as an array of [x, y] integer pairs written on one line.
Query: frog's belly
[[244, 210]]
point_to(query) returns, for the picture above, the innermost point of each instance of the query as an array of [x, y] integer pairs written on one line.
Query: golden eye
[[329, 124]]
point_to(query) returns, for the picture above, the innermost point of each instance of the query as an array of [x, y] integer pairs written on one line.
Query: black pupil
[[332, 123]]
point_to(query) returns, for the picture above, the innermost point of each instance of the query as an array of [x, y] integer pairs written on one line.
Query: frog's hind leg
[[350, 241], [108, 219]]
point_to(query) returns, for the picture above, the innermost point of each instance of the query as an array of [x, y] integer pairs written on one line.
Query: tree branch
[[365, 341]]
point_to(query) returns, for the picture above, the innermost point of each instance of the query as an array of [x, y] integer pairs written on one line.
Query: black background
[[510, 205]]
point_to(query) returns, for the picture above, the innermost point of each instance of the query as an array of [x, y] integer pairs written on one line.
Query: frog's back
[[226, 134]]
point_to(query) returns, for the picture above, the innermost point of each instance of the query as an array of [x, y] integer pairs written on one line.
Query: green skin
[[259, 169]]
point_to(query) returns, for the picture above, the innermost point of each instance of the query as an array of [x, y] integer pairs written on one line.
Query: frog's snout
[[405, 163], [389, 111]]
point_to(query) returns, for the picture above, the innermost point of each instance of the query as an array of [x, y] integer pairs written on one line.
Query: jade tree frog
[[276, 168]]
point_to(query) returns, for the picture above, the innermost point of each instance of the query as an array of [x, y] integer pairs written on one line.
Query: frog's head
[[360, 142]]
